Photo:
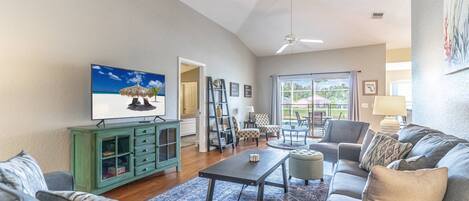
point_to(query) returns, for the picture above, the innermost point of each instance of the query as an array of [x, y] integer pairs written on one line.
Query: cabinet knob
[[145, 169], [144, 141], [144, 150], [145, 160]]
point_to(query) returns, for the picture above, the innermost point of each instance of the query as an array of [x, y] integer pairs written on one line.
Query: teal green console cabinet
[[108, 157]]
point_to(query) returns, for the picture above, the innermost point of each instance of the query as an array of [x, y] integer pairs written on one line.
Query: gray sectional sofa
[[438, 149]]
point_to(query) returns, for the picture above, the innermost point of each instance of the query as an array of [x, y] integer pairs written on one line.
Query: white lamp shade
[[390, 106], [250, 108]]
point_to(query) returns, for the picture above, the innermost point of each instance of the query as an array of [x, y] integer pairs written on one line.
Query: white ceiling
[[263, 24]]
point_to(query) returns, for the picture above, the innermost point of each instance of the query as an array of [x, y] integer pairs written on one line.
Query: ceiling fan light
[[281, 48]]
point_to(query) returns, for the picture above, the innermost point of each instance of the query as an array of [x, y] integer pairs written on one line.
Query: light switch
[[364, 105]]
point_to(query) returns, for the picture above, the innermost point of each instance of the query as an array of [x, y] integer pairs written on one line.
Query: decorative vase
[[219, 111], [217, 83]]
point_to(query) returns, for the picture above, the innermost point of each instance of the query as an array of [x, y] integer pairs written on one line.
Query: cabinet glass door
[[167, 145], [114, 157]]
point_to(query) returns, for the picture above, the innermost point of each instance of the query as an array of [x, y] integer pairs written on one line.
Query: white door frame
[[202, 102]]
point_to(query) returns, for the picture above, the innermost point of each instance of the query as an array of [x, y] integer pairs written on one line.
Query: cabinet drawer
[[114, 132], [144, 169], [146, 149], [144, 131], [145, 139], [140, 160]]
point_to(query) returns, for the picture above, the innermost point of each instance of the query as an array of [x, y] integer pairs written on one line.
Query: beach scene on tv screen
[[120, 93]]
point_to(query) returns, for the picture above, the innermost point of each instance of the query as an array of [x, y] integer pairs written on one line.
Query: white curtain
[[275, 107], [354, 107]]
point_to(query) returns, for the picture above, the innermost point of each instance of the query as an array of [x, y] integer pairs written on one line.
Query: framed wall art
[[370, 87], [234, 89], [247, 91]]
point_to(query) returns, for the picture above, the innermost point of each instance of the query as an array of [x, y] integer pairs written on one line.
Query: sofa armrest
[[11, 194], [59, 181], [349, 151]]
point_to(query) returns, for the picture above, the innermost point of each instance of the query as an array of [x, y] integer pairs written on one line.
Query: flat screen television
[[122, 93]]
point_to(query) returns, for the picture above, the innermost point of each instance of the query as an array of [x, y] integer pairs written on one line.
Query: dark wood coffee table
[[238, 169]]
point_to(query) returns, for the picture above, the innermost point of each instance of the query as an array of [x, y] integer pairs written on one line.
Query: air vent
[[377, 15]]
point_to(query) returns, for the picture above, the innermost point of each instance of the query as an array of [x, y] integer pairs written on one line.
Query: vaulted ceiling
[[263, 24]]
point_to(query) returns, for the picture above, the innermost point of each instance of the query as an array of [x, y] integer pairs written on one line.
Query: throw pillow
[[412, 133], [22, 173], [382, 151], [366, 142], [457, 160], [69, 196], [412, 163], [434, 146], [384, 184]]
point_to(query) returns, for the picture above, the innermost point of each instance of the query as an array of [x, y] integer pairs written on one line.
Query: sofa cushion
[[338, 197], [22, 173], [412, 133], [345, 131], [412, 163], [329, 150], [391, 185], [348, 185], [351, 167], [457, 161], [434, 147], [382, 151], [68, 196]]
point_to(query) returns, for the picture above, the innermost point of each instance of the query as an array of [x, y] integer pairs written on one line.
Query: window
[[403, 88], [305, 96]]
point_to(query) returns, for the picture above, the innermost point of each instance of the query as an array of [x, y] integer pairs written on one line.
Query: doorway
[[191, 105]]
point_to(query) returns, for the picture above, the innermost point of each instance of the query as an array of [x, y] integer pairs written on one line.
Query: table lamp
[[250, 110], [390, 107]]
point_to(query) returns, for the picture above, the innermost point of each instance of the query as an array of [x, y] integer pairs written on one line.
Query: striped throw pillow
[[69, 196], [22, 173]]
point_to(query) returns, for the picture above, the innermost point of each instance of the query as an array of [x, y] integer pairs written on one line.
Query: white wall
[[371, 60], [47, 47], [440, 101]]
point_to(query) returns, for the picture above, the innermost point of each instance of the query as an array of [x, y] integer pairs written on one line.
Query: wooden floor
[[192, 162]]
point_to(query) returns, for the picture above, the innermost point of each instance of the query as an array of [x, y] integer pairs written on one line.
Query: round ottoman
[[306, 164]]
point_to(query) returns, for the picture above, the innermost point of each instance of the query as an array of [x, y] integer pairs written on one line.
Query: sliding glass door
[[312, 100]]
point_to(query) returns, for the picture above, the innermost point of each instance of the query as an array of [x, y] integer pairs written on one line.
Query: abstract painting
[[456, 35]]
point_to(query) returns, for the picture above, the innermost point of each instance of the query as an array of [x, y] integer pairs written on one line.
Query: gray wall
[[47, 47], [371, 60], [440, 101]]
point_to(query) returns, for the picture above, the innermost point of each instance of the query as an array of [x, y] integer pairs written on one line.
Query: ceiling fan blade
[[311, 41], [282, 48]]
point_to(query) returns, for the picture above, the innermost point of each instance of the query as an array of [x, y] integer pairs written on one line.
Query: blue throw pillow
[[412, 133], [434, 147]]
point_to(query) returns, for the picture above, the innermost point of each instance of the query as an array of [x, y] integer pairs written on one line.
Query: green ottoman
[[306, 164]]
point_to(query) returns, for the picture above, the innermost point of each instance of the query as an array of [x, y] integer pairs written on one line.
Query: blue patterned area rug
[[196, 189]]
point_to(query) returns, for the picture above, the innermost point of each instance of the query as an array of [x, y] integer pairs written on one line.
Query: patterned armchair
[[263, 123], [246, 133]]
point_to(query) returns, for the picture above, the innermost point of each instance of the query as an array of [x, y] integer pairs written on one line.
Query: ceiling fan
[[291, 39]]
